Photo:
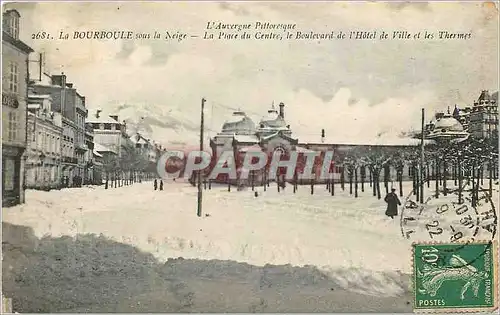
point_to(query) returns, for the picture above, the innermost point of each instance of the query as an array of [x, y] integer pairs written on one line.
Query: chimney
[[115, 117], [322, 135], [282, 110], [98, 113]]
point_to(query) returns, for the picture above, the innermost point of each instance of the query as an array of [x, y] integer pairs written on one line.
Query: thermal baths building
[[272, 134]]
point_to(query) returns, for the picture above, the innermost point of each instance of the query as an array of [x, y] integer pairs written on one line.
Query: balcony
[[69, 160]]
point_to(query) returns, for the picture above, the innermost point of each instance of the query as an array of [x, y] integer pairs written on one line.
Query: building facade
[[80, 143], [483, 121], [43, 164], [15, 75], [273, 136], [88, 158], [108, 131]]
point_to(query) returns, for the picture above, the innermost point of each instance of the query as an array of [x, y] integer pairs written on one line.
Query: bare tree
[[375, 159]]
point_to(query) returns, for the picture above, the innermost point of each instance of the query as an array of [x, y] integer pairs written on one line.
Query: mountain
[[163, 125]]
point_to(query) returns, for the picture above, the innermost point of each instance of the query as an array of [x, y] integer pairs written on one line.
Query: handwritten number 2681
[[433, 228]]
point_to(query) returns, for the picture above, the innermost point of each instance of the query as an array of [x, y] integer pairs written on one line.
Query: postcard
[[250, 157]]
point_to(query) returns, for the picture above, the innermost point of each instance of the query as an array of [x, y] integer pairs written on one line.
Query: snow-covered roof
[[96, 153], [305, 139], [103, 119], [102, 148], [246, 138]]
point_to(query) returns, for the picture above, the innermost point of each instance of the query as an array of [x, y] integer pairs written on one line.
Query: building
[[89, 158], [108, 131], [45, 131], [67, 101], [445, 128], [484, 116], [273, 135], [15, 61], [69, 161], [81, 147]]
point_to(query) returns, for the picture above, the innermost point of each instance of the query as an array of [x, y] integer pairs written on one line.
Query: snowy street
[[97, 250]]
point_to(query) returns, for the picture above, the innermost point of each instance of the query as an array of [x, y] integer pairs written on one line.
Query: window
[[107, 126], [13, 77], [14, 26], [12, 127]]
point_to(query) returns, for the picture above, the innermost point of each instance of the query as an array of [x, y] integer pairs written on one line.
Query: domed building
[[239, 123], [446, 128]]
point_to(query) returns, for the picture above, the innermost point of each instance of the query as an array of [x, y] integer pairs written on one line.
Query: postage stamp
[[455, 277]]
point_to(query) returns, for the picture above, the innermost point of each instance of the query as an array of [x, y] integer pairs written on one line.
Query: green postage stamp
[[455, 277]]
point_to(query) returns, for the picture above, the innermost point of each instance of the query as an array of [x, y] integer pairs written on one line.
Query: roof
[[303, 140], [246, 138], [103, 119], [16, 42], [96, 153], [302, 149], [102, 148]]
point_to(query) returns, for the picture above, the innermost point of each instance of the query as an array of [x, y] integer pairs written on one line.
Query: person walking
[[161, 184], [156, 184], [393, 202]]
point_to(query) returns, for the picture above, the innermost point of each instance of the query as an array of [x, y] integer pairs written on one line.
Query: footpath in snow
[[100, 250]]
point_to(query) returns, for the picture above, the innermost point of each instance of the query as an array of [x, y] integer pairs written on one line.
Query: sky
[[349, 88]]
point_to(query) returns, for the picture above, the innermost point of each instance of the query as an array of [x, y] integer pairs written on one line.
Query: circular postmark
[[454, 210]]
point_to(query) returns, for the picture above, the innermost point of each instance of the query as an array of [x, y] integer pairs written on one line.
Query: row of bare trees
[[131, 167], [457, 166]]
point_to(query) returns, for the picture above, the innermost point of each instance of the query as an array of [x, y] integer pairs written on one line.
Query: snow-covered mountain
[[163, 125]]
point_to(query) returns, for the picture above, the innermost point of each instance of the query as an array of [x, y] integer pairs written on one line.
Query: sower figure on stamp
[[393, 202]]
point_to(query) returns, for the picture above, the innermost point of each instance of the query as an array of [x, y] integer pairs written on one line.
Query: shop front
[[11, 175]]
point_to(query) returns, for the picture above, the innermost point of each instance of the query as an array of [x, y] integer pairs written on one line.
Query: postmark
[[466, 280], [463, 214]]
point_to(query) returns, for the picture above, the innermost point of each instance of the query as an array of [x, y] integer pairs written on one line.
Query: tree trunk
[[400, 180], [386, 178], [370, 176], [312, 187], [428, 171], [332, 186], [377, 179], [490, 178], [342, 179], [417, 182], [414, 179], [482, 173], [356, 182], [445, 171], [350, 181], [373, 181], [460, 180], [436, 167], [363, 175]]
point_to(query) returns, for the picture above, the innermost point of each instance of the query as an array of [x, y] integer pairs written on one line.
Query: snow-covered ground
[[349, 240]]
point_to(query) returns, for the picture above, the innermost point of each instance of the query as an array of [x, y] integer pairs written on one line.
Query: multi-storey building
[[43, 165], [484, 116], [108, 131], [68, 102], [80, 144], [15, 60], [69, 161], [89, 159]]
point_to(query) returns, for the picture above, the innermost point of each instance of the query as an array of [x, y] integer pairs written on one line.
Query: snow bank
[[349, 239]]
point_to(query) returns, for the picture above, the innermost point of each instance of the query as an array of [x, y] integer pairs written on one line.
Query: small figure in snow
[[392, 201], [161, 184], [155, 184]]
